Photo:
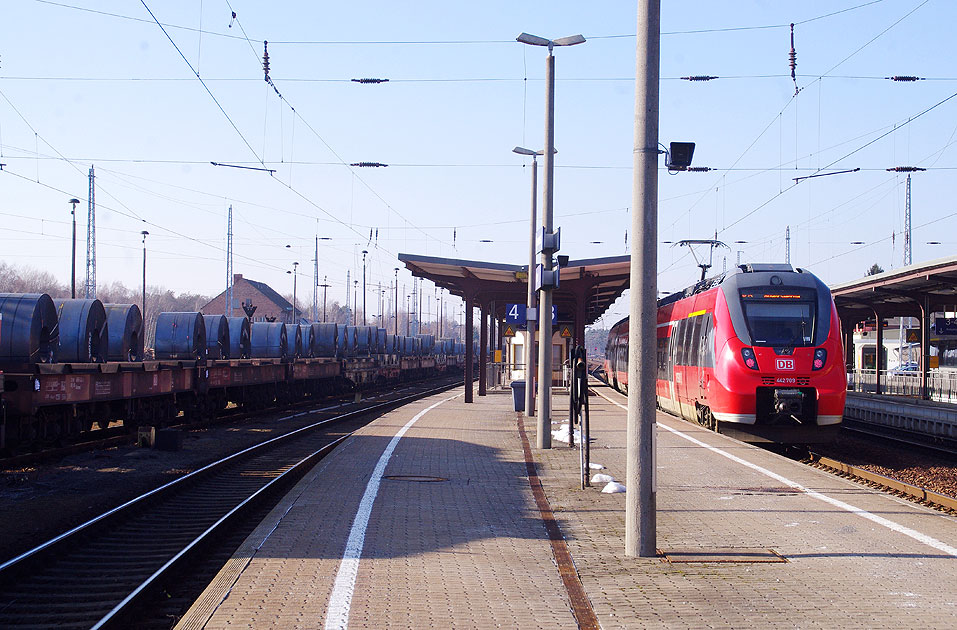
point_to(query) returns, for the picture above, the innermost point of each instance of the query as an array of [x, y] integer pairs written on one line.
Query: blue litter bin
[[518, 395]]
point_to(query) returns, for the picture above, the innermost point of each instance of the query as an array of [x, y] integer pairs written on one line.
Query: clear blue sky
[[99, 83]]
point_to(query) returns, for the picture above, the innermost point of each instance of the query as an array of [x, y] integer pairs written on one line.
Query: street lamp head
[[532, 40], [535, 40], [524, 151], [74, 201]]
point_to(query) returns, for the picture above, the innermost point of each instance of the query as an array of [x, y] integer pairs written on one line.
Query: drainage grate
[[738, 555], [418, 478]]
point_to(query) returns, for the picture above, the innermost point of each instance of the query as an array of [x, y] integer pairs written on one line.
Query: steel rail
[[915, 492], [7, 567], [120, 611]]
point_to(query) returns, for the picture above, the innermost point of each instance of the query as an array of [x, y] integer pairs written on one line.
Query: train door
[[705, 356], [693, 370], [674, 349], [683, 374]]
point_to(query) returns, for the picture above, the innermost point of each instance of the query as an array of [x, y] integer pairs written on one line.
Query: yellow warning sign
[[566, 332], [509, 331], [913, 335]]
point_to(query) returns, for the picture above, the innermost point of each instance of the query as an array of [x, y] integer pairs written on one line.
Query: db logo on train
[[784, 364]]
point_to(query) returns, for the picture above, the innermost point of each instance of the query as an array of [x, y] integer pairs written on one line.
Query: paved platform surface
[[771, 543]]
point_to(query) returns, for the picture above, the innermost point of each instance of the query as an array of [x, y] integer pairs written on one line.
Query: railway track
[[104, 572], [831, 462], [898, 487]]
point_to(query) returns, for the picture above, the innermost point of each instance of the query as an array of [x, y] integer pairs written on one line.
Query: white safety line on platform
[[880, 520], [340, 601]]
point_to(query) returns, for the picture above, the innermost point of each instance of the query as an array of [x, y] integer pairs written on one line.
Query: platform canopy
[[900, 292], [587, 287]]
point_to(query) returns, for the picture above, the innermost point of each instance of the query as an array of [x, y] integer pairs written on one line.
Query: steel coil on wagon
[[268, 341], [180, 336], [351, 341], [325, 340], [364, 340], [84, 335], [308, 339], [239, 338], [427, 342], [293, 341], [380, 340], [390, 340], [217, 337], [28, 329], [125, 327]]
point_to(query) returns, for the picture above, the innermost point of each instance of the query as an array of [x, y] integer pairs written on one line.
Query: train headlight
[[820, 358], [750, 361]]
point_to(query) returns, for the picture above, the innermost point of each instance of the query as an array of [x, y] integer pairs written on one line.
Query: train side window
[[679, 334], [694, 340], [707, 342], [664, 373], [672, 349], [687, 351]]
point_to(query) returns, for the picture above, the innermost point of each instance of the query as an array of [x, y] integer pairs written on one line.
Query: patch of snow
[[561, 435], [595, 466], [613, 487], [601, 478]]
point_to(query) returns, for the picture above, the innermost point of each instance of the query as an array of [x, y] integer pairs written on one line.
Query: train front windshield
[[780, 320]]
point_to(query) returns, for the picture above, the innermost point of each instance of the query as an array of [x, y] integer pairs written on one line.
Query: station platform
[[428, 517]]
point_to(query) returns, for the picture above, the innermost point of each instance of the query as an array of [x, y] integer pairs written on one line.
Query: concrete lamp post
[[544, 434]]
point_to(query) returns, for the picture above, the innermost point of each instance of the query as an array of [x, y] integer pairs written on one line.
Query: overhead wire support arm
[[852, 170], [271, 171]]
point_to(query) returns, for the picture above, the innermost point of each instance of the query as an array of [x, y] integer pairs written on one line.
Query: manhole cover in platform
[[418, 478], [738, 555]]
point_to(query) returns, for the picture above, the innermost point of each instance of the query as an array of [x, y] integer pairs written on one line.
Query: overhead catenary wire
[[202, 81]]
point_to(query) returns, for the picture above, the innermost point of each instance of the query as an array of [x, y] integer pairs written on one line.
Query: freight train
[[70, 365], [755, 353]]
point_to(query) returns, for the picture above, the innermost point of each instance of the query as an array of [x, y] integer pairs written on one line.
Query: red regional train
[[754, 353]]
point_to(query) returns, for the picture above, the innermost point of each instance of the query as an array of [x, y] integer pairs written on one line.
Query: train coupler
[[789, 402]]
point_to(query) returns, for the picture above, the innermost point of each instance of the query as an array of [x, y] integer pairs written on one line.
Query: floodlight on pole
[[73, 201], [364, 253], [396, 307], [145, 234]]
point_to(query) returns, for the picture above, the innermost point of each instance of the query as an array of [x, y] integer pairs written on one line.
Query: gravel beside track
[[910, 464]]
